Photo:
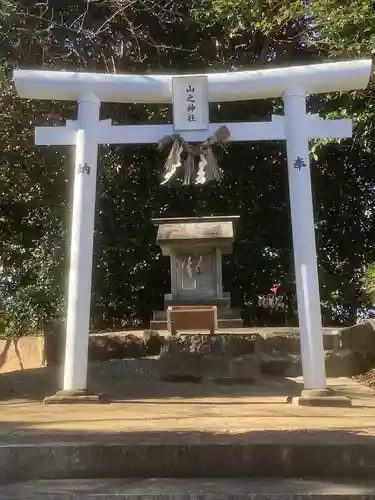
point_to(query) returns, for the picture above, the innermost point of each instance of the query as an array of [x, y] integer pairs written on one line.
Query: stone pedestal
[[76, 397], [195, 246]]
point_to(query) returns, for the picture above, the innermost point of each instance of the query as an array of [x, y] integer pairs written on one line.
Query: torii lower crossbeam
[[273, 130]]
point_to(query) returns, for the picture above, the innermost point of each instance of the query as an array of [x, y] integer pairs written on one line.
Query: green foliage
[[343, 29], [336, 28], [268, 16], [368, 283], [129, 275], [31, 293]]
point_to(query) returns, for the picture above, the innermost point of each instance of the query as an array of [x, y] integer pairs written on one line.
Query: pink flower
[[275, 288]]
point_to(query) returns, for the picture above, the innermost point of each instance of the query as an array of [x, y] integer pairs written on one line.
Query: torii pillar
[[296, 127]]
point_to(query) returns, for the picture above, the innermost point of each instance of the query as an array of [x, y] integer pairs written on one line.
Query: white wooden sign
[[190, 103]]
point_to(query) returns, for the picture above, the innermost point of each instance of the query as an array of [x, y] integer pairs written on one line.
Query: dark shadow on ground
[[134, 379]]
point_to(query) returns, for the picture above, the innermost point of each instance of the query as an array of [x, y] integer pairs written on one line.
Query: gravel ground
[[127, 378], [103, 376]]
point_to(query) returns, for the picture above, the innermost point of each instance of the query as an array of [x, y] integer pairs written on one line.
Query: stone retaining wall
[[21, 354], [349, 351]]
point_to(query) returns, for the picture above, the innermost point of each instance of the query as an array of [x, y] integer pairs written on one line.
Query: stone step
[[222, 323], [223, 313], [108, 457], [190, 489], [223, 302], [230, 323]]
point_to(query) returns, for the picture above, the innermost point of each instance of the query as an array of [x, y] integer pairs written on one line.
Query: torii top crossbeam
[[235, 86]]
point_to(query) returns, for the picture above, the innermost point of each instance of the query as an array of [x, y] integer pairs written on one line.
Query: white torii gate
[[296, 127]]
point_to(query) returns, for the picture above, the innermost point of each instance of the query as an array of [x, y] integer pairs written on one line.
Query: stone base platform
[[217, 368], [348, 352], [219, 358], [76, 397], [193, 353], [323, 402]]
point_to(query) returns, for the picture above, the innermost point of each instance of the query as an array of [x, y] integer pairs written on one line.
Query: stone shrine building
[[195, 246]]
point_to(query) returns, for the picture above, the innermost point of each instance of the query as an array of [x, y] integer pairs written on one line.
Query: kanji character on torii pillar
[[296, 127]]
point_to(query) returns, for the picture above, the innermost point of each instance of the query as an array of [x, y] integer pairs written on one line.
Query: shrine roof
[[195, 220], [216, 230]]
